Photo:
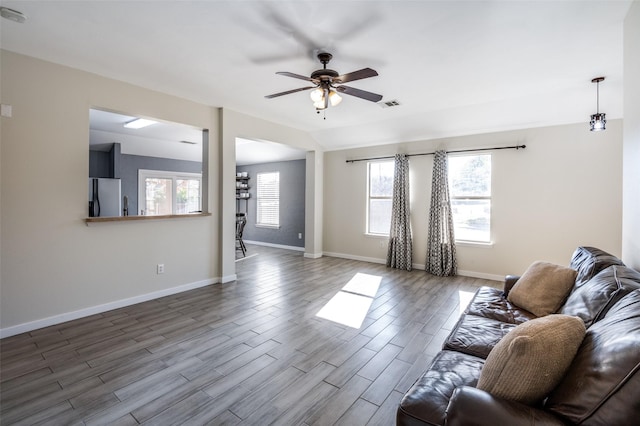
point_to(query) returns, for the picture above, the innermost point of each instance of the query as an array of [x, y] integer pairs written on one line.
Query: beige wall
[[54, 267], [631, 149], [562, 191]]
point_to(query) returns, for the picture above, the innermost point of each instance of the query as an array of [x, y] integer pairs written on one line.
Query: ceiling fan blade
[[356, 75], [373, 97], [290, 74], [275, 95]]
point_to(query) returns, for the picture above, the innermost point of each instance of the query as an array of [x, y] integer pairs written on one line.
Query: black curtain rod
[[448, 152]]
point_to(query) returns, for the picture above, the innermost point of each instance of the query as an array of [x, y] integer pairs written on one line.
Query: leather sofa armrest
[[509, 282], [469, 405]]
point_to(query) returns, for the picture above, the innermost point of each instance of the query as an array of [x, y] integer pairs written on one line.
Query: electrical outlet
[[299, 235], [382, 243], [160, 268]]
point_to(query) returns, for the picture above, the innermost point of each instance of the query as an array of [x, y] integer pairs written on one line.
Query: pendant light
[[598, 121]]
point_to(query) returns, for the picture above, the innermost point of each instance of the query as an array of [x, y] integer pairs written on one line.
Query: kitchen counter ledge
[[90, 220]]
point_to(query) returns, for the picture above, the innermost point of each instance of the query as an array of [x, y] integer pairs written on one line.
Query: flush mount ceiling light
[[12, 15], [139, 123], [598, 121]]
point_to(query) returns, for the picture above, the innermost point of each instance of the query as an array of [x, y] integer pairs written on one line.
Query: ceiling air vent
[[389, 104]]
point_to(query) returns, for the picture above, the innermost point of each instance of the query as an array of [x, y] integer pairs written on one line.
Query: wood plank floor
[[251, 352]]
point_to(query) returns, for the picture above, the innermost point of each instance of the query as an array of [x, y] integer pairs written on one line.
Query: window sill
[[380, 236], [89, 220], [258, 225], [474, 244]]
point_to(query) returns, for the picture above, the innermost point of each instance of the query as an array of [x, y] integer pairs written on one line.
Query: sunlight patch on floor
[[465, 298], [364, 284], [351, 304]]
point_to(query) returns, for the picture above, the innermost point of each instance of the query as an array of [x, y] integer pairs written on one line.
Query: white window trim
[[144, 173], [479, 244], [367, 232]]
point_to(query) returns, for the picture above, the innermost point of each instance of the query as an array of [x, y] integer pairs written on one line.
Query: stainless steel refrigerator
[[104, 197]]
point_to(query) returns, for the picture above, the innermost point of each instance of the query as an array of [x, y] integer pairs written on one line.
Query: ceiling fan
[[328, 83]]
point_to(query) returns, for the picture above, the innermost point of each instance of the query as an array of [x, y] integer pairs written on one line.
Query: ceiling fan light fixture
[[316, 94], [598, 121], [334, 98], [319, 105]]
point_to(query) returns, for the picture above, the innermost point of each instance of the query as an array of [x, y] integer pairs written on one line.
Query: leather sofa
[[601, 386]]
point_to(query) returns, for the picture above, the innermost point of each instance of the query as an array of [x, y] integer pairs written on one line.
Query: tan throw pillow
[[530, 360], [543, 288]]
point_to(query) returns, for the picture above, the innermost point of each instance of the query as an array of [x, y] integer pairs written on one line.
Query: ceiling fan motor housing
[[325, 74]]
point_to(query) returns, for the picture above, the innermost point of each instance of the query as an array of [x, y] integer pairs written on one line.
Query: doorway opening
[[270, 196]]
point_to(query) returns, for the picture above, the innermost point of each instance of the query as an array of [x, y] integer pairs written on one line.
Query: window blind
[[268, 199]]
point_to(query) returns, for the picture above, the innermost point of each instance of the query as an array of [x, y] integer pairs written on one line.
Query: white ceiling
[[455, 67], [167, 140], [162, 139], [256, 152]]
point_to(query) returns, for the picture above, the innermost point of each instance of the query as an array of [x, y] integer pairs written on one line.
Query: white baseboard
[[228, 278], [280, 246], [93, 310], [353, 257], [482, 275], [313, 255], [417, 266]]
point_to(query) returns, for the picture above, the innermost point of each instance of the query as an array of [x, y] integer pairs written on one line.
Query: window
[[379, 197], [470, 192], [268, 196], [165, 193]]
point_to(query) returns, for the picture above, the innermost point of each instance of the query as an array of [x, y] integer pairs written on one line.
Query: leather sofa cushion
[[476, 335], [489, 302], [425, 403], [593, 299], [472, 406], [588, 261], [603, 382], [543, 288], [532, 358]]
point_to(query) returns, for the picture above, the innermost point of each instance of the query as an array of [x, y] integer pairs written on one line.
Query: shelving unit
[[242, 193]]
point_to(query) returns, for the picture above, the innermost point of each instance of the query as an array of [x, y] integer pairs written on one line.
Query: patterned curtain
[[441, 247], [399, 254]]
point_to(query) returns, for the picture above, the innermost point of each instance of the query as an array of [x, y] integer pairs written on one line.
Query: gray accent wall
[[292, 202], [105, 164], [99, 162], [113, 164]]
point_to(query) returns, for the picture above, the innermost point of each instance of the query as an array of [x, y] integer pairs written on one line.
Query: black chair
[[241, 221]]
